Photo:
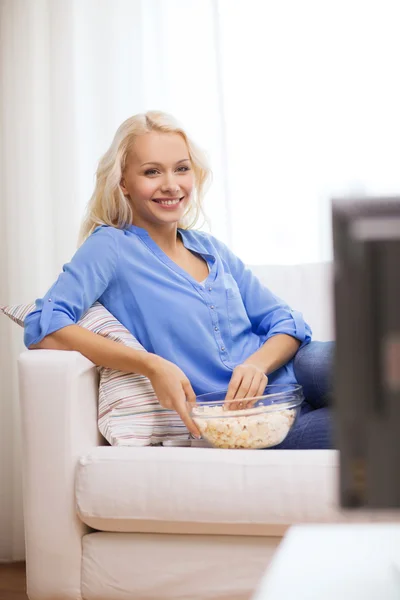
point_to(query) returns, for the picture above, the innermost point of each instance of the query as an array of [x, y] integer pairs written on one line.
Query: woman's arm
[[250, 378], [170, 384], [269, 315], [53, 324], [276, 352], [82, 281], [99, 350], [282, 329]]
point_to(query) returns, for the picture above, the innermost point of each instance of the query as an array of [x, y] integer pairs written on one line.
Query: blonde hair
[[108, 205]]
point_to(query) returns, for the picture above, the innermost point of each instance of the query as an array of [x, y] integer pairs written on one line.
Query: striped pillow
[[129, 413]]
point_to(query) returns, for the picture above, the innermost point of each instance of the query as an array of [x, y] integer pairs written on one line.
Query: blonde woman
[[205, 320]]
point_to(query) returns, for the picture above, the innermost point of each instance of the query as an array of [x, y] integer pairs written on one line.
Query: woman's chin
[[171, 219]]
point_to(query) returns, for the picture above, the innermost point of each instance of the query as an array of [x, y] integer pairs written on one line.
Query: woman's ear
[[123, 188]]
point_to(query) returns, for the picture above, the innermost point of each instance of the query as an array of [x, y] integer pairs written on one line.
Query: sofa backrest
[[307, 288]]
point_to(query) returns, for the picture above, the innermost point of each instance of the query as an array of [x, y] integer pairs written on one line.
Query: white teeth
[[168, 202]]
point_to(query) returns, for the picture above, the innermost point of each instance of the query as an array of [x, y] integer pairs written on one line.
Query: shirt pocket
[[239, 322]]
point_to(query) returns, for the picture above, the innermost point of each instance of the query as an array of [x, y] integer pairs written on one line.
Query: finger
[[263, 385], [254, 386], [181, 409], [190, 399], [242, 391], [234, 384], [189, 392], [244, 386], [261, 390], [165, 403], [253, 390], [259, 386]]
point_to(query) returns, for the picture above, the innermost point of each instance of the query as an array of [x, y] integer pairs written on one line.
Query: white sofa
[[159, 523]]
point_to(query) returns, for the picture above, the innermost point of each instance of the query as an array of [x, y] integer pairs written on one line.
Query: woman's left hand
[[248, 380]]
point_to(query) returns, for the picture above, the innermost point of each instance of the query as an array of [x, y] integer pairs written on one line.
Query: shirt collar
[[138, 230], [192, 242], [189, 241]]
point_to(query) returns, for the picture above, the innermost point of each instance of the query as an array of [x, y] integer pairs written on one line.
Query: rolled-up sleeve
[[83, 280], [268, 314]]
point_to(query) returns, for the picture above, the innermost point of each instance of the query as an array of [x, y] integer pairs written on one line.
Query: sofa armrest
[[58, 397]]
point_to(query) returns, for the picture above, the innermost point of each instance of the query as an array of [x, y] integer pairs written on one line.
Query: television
[[366, 241]]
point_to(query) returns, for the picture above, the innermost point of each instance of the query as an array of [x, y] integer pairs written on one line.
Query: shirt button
[[212, 306], [216, 328], [49, 300], [222, 348], [210, 289]]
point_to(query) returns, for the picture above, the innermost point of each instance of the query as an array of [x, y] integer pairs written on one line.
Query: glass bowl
[[260, 422]]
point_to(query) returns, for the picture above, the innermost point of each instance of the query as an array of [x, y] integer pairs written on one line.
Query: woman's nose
[[170, 185]]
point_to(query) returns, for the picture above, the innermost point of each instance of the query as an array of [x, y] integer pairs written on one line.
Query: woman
[[205, 319]]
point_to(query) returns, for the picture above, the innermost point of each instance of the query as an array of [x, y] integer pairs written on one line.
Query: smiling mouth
[[169, 201]]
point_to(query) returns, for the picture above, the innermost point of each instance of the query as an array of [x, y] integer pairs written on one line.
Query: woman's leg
[[313, 430], [313, 366]]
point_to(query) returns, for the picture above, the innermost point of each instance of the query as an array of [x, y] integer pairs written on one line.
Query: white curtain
[[311, 106], [294, 102]]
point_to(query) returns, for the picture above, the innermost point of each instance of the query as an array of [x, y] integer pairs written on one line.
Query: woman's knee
[[313, 431], [313, 368]]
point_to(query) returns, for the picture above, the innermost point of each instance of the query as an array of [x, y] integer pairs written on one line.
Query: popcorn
[[253, 428]]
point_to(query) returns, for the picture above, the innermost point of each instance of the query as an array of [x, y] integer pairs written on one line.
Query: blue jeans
[[313, 370]]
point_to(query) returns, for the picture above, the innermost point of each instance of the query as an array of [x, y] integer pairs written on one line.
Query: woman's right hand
[[173, 389]]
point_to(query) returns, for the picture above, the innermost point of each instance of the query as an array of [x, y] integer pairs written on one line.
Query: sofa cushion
[[198, 490], [125, 566]]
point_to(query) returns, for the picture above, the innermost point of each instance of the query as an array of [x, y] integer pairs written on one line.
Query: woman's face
[[158, 178]]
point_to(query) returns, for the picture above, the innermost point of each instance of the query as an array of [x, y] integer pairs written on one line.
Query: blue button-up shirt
[[206, 329]]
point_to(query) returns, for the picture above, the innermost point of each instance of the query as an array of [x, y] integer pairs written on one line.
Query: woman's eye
[[151, 172]]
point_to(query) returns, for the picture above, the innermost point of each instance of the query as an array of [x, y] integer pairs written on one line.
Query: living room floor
[[13, 581]]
